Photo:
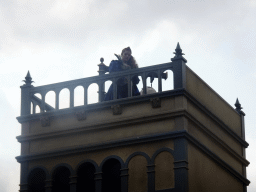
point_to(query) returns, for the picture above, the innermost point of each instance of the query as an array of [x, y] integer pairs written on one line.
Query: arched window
[[111, 180], [61, 180], [36, 180], [85, 180], [138, 178], [164, 171]]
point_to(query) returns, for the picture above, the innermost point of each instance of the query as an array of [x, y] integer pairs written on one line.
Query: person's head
[[126, 54], [128, 58]]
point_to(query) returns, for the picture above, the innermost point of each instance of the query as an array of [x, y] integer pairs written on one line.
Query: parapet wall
[[213, 101]]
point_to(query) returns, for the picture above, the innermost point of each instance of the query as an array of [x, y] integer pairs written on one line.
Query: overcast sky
[[60, 40]]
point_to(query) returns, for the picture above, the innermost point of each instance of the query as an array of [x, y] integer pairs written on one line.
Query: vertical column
[[24, 177], [179, 73], [98, 181], [129, 86], [34, 108], [57, 103], [72, 183], [102, 70], [151, 178], [159, 81], [48, 185], [181, 164], [71, 90], [242, 114], [25, 95], [25, 100], [124, 179], [43, 102], [179, 68], [144, 79], [101, 91], [85, 94]]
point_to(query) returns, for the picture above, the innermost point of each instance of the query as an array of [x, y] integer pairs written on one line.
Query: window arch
[[138, 178], [164, 169]]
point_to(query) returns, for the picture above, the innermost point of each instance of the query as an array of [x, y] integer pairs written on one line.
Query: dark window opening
[[111, 180], [85, 180], [36, 180], [61, 180]]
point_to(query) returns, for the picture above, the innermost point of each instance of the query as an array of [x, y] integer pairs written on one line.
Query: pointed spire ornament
[[178, 54], [28, 80], [238, 106]]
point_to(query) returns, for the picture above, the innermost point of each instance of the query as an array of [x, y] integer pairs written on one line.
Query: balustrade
[[177, 66]]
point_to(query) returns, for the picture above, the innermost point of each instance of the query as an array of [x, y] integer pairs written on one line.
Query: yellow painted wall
[[205, 175], [212, 126], [215, 147], [101, 136], [99, 155], [138, 178], [164, 171], [102, 116], [212, 101]]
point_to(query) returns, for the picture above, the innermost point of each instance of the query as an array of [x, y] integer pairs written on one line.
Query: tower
[[185, 139]]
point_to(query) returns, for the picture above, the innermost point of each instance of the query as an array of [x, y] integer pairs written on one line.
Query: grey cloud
[[35, 21], [93, 23]]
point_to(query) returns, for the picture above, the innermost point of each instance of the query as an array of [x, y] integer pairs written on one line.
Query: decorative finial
[[178, 51], [178, 54], [238, 106], [28, 80], [102, 67]]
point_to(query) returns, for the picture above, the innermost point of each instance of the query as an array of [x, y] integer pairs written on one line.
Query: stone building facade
[[185, 139]]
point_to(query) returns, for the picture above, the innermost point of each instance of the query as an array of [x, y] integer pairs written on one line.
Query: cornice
[[226, 128], [131, 120], [217, 140], [100, 146], [101, 105], [137, 140], [216, 158], [127, 101]]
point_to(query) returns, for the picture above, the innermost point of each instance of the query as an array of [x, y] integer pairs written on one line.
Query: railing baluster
[[85, 94], [71, 90], [159, 74], [101, 91], [43, 102], [57, 99], [34, 108], [114, 77], [129, 86], [144, 79]]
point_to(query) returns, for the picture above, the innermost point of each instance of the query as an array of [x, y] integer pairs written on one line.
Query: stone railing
[[28, 97]]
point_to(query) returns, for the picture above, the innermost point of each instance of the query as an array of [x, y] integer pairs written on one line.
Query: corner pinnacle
[[178, 54], [238, 105], [28, 79]]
